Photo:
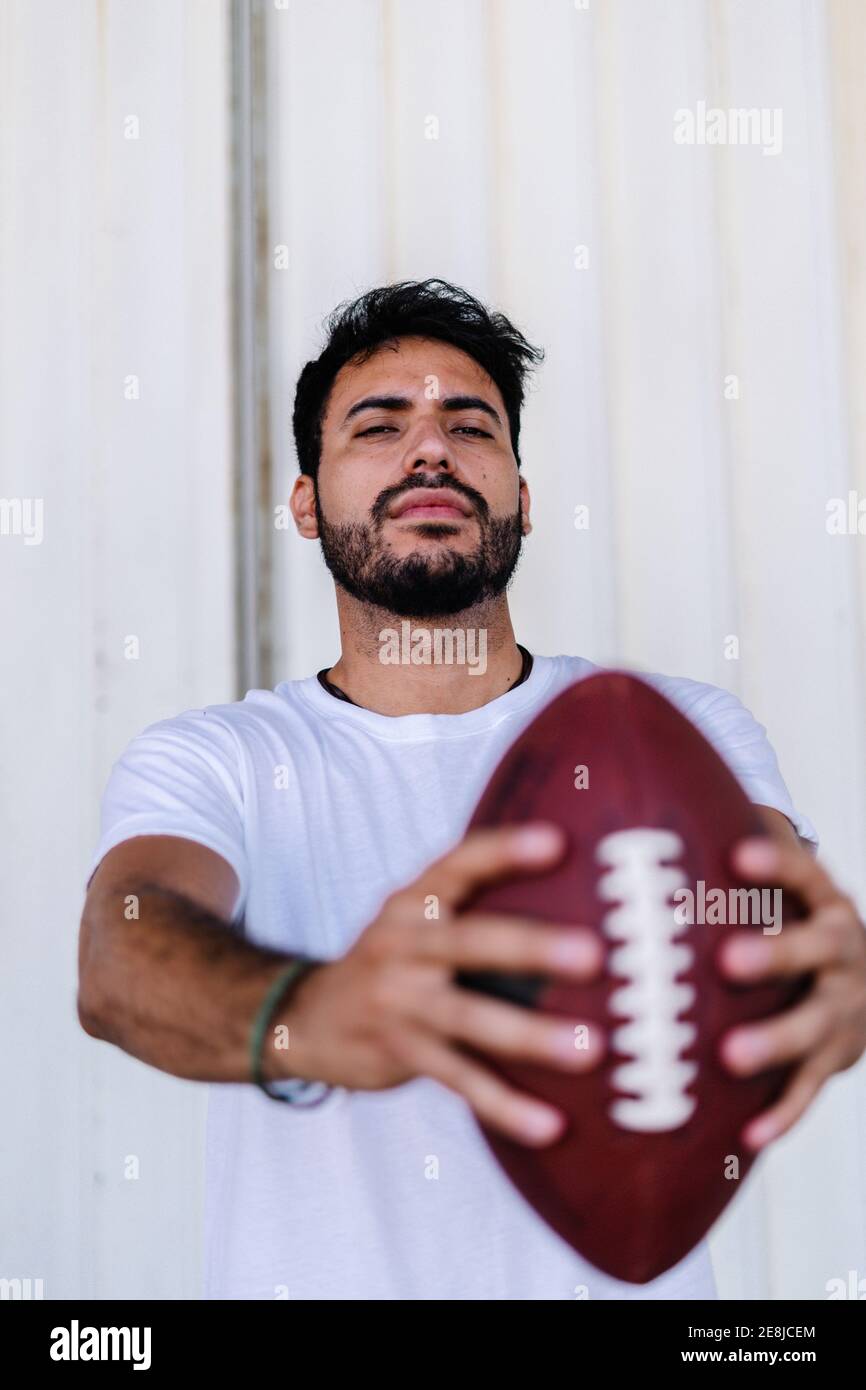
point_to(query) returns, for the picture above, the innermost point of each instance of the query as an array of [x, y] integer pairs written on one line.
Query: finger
[[496, 1104], [832, 936], [798, 1032], [789, 866], [507, 1030], [485, 856], [485, 941], [801, 1090]]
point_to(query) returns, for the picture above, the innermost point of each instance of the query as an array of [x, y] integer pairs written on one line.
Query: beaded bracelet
[[294, 1089]]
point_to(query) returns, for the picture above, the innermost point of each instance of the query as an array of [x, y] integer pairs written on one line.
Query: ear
[[303, 505], [524, 506]]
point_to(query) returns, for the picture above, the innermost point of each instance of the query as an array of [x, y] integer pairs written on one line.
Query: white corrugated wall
[[115, 410], [707, 513]]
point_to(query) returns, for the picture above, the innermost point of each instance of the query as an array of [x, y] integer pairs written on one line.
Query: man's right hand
[[390, 1009]]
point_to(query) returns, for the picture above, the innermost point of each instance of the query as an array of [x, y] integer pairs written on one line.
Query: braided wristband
[[281, 987]]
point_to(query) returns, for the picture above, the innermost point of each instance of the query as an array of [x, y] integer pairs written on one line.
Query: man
[[322, 820]]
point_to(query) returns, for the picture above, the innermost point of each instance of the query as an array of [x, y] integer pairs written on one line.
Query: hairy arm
[[161, 972], [172, 984]]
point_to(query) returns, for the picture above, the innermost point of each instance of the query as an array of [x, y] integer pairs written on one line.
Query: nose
[[429, 453]]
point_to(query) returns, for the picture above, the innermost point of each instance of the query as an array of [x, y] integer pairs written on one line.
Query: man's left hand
[[825, 1032]]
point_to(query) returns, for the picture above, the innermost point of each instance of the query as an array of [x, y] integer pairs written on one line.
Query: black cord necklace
[[341, 694]]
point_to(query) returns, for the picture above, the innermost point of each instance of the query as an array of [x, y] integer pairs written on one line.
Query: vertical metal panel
[[801, 665], [252, 396], [550, 257], [847, 64], [328, 206], [557, 125], [114, 264]]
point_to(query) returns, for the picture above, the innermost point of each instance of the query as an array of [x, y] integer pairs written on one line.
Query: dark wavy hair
[[424, 308]]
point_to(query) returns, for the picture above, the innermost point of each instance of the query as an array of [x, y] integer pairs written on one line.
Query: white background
[[707, 515]]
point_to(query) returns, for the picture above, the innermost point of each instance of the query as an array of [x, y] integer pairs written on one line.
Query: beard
[[421, 585]]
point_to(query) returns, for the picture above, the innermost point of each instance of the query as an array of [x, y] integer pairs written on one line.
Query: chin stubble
[[421, 586]]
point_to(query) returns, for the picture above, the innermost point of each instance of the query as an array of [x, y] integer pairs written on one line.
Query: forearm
[[175, 987]]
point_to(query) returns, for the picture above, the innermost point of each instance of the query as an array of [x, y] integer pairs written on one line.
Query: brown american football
[[652, 1152]]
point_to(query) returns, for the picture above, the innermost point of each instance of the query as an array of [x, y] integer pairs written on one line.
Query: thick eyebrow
[[452, 403]]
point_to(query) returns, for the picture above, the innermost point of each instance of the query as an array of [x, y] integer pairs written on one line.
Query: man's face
[[419, 507]]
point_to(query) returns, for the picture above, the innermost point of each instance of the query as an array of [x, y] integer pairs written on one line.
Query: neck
[[397, 666]]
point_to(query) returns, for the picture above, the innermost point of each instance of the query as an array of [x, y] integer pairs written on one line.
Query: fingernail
[[541, 1124], [746, 955], [759, 1133], [538, 839], [576, 950], [757, 854], [580, 1041], [744, 1048]]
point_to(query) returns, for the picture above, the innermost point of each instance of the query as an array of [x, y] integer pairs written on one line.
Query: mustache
[[386, 498]]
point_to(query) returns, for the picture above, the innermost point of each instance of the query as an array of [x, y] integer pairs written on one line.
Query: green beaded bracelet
[[291, 976]]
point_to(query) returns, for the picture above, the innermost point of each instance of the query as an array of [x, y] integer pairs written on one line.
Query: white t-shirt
[[323, 809]]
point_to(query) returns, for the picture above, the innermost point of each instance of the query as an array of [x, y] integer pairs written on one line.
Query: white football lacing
[[649, 959]]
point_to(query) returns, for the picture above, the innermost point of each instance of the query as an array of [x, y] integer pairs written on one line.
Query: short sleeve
[[179, 777], [741, 741]]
